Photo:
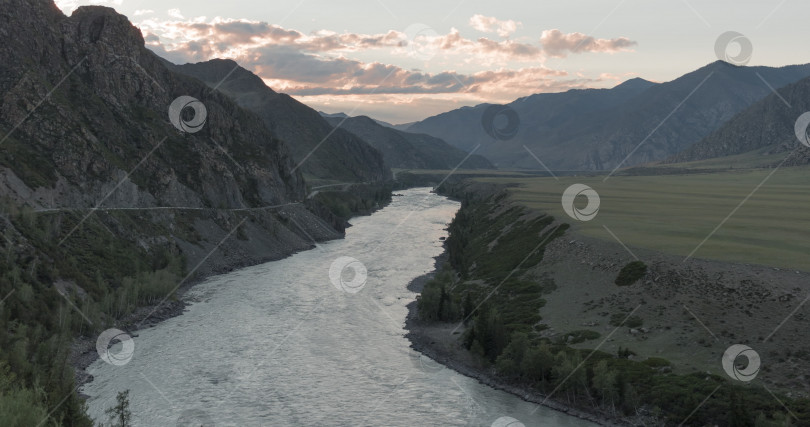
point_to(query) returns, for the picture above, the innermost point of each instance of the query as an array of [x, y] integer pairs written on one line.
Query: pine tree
[[120, 415]]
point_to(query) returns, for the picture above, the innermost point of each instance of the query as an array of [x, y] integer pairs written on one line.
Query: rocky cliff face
[[85, 123], [87, 103]]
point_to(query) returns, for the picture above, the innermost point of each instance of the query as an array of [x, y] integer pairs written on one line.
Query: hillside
[[765, 128], [406, 150], [324, 153], [107, 205], [596, 129]]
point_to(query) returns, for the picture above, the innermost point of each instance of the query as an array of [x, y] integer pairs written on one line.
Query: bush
[[631, 273]]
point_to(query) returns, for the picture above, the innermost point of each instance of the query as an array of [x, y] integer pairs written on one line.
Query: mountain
[[767, 127], [409, 150], [345, 116], [325, 154], [597, 129], [338, 115], [403, 127], [112, 195], [112, 111], [548, 114]]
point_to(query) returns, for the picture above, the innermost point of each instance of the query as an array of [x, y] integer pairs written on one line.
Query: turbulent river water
[[279, 345]]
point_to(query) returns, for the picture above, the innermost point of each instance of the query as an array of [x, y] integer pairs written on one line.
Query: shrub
[[631, 273]]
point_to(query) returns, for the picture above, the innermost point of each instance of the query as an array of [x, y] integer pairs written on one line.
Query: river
[[279, 345]]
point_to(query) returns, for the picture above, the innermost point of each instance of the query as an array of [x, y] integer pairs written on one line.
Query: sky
[[402, 61]]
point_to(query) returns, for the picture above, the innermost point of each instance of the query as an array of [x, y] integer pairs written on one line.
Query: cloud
[[234, 38], [509, 49], [175, 13], [141, 12], [325, 65], [240, 35], [300, 74], [488, 24], [558, 44]]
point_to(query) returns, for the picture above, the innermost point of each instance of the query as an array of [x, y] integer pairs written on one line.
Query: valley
[[225, 221]]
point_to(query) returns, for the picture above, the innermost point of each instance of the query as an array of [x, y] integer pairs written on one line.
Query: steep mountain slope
[[107, 203], [599, 129], [324, 153], [103, 123], [409, 150], [767, 127]]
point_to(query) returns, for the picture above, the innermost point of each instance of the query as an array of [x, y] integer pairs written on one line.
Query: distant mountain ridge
[[408, 150], [342, 115], [597, 129], [329, 116]]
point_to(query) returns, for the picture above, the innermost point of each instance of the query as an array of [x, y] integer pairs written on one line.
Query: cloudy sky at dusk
[[402, 61]]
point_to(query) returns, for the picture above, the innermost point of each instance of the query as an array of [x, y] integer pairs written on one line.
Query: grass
[[752, 159], [675, 213]]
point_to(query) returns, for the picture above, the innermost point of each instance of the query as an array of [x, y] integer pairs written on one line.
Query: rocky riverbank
[[440, 343]]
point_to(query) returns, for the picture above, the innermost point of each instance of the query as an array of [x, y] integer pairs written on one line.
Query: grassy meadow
[[674, 213]]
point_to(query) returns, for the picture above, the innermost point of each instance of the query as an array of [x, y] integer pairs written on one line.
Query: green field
[[674, 213], [751, 159]]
